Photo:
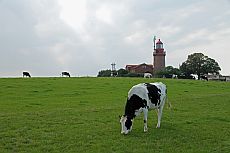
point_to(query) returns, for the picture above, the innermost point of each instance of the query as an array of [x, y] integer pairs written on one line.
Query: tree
[[168, 72], [198, 63], [104, 73], [211, 66], [122, 72], [185, 70]]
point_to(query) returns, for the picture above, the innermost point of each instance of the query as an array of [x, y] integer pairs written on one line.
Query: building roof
[[159, 42], [136, 65]]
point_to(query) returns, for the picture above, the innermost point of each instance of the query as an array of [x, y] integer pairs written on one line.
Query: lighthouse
[[158, 56]]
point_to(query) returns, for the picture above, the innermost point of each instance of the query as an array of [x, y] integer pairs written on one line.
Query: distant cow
[[141, 98], [204, 78], [65, 74], [174, 76], [147, 75], [26, 74]]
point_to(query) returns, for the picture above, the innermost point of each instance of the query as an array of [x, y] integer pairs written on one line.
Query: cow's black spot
[[128, 123], [133, 104], [153, 93]]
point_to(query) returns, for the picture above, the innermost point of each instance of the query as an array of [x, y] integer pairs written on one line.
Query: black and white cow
[[26, 74], [65, 74], [141, 98], [203, 77], [148, 75]]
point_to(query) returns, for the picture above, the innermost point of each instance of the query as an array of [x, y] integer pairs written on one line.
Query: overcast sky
[[46, 37]]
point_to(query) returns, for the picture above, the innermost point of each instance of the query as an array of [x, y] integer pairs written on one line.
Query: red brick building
[[141, 68], [158, 61]]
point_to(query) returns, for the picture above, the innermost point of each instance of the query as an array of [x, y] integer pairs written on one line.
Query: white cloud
[[104, 14], [73, 13]]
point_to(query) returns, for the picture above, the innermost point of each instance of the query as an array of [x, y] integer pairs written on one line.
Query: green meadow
[[81, 115]]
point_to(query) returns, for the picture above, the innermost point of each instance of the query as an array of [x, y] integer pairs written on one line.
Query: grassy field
[[81, 115]]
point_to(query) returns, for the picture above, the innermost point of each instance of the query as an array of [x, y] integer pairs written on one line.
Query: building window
[[158, 46]]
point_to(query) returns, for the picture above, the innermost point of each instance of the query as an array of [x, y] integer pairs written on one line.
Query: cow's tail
[[169, 103], [170, 112]]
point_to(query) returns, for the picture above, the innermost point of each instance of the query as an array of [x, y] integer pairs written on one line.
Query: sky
[[46, 37]]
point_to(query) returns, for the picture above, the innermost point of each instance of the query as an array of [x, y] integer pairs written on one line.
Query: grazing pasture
[[81, 115]]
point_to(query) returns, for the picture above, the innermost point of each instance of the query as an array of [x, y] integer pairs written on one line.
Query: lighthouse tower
[[158, 56]]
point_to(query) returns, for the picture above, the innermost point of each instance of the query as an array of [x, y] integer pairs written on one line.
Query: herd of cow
[[27, 74], [141, 98]]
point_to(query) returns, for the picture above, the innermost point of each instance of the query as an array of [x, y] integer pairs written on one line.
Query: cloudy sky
[[46, 37]]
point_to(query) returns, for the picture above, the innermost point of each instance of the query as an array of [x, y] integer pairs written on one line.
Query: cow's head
[[126, 124]]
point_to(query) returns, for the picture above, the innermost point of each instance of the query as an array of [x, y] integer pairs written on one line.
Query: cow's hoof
[[145, 129], [157, 127]]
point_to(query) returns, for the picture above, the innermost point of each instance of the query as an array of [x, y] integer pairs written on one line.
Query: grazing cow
[[141, 98], [174, 76], [204, 78], [147, 75], [26, 74], [65, 74]]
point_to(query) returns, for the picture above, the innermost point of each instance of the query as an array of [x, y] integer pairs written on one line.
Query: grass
[[81, 115]]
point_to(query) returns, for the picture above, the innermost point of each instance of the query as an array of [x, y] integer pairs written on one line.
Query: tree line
[[196, 63], [119, 73]]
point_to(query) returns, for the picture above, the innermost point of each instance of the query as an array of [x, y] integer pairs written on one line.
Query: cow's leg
[[159, 115], [145, 111], [159, 112]]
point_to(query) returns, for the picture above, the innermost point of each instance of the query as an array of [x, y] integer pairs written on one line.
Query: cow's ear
[[119, 116]]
